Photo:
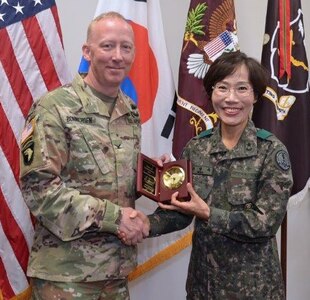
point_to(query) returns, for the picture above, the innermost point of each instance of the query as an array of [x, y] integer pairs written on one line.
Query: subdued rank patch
[[282, 160], [28, 152], [248, 206]]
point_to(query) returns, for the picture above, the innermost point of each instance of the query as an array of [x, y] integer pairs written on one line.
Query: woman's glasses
[[241, 90]]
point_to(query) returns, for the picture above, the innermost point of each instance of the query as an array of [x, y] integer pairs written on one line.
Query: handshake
[[134, 226]]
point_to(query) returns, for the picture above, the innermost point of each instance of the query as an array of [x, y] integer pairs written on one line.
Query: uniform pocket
[[97, 150], [203, 179], [242, 188], [88, 155]]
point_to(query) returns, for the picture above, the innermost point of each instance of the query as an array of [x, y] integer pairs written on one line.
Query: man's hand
[[134, 226]]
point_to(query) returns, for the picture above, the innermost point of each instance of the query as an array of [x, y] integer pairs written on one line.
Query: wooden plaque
[[159, 183]]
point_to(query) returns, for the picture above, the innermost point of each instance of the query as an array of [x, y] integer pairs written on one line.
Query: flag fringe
[[25, 295], [162, 256]]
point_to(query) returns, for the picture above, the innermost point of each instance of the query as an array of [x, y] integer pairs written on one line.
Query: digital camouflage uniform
[[234, 253], [77, 170]]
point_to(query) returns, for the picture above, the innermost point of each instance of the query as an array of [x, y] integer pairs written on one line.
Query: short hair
[[105, 15], [226, 65]]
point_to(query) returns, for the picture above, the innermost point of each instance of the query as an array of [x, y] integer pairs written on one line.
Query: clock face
[[173, 177]]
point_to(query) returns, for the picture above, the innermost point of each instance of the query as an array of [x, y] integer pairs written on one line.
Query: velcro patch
[[283, 160], [28, 131], [28, 152]]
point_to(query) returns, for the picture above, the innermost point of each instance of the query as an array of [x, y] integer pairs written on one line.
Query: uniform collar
[[247, 144], [92, 104]]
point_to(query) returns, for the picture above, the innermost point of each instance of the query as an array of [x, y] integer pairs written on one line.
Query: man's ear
[[86, 52]]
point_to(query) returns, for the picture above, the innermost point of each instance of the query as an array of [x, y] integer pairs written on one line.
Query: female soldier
[[242, 181]]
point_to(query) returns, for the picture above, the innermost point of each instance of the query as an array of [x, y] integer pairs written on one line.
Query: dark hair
[[226, 65]]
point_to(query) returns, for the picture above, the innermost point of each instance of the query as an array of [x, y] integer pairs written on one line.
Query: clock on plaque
[[159, 183]]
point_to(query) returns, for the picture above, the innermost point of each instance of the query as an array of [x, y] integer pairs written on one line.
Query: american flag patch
[[28, 130], [218, 44]]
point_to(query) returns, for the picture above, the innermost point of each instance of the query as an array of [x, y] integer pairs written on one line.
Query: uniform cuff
[[111, 218]]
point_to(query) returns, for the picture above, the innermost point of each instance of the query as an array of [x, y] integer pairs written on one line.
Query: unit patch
[[28, 152], [282, 160]]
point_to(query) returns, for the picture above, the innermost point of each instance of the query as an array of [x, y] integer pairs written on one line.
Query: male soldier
[[78, 159]]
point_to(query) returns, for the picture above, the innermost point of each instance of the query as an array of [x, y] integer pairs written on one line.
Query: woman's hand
[[195, 206], [164, 158]]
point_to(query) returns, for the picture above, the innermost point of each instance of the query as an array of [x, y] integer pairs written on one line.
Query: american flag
[[32, 62], [218, 44]]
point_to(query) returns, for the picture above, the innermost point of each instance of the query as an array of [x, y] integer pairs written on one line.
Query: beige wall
[[76, 14]]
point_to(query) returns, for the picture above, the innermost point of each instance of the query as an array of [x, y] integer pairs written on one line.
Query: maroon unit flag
[[285, 107], [210, 30]]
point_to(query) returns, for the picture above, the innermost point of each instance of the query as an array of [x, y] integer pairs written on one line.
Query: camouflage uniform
[[116, 289], [234, 253], [77, 170]]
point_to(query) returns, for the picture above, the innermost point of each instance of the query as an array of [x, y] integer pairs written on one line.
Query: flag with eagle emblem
[[210, 30]]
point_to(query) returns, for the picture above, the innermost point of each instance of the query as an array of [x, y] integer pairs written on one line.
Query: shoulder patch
[[282, 160], [205, 133], [28, 130], [263, 134], [28, 152]]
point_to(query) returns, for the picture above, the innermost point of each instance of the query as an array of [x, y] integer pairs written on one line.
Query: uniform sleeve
[[163, 221], [63, 210], [261, 218]]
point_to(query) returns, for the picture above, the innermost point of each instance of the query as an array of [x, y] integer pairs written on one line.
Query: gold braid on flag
[[285, 38], [162, 256], [25, 295]]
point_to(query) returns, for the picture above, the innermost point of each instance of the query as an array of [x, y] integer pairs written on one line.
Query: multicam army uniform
[[234, 253], [77, 170]]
